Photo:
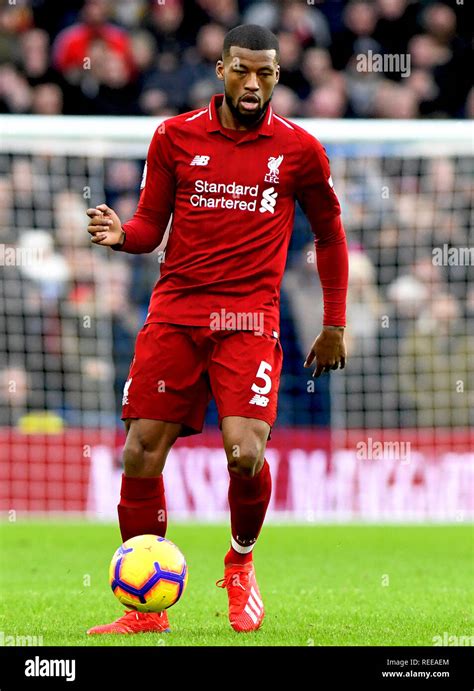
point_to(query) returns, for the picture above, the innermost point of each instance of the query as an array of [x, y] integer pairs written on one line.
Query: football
[[148, 573]]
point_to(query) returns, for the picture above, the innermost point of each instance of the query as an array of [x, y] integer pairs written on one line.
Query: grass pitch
[[322, 585]]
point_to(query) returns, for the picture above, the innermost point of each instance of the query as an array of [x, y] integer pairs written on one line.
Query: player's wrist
[[121, 241], [330, 327]]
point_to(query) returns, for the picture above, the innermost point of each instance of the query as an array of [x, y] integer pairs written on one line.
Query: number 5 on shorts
[[261, 373]]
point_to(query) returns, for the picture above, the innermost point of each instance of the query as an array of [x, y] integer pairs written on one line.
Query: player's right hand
[[104, 226]]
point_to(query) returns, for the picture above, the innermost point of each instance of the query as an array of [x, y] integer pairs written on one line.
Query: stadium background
[[69, 318]]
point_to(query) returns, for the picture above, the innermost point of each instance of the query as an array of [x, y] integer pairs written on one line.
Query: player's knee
[[145, 454], [141, 463], [245, 459]]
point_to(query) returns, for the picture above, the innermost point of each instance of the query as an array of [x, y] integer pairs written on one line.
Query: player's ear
[[220, 70], [277, 74]]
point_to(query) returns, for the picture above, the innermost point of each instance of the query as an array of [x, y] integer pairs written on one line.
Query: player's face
[[249, 78]]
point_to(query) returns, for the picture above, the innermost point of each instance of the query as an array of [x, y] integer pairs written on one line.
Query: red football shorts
[[176, 370]]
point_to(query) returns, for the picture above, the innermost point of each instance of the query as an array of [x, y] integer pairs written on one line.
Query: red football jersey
[[232, 198]]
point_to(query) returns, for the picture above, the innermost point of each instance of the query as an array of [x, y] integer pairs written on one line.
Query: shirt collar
[[265, 128]]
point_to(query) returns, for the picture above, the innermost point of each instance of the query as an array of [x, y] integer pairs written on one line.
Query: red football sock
[[142, 507], [248, 501]]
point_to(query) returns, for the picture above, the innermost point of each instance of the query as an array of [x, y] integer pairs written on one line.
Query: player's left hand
[[329, 351]]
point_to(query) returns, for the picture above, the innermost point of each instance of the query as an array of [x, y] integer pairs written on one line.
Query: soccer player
[[229, 176]]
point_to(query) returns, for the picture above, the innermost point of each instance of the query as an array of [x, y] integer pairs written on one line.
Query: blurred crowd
[[410, 334], [68, 320], [157, 57]]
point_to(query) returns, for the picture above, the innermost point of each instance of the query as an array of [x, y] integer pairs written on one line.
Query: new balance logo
[[269, 198], [200, 161], [260, 400]]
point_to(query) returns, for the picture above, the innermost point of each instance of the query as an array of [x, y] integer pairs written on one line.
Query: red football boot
[[245, 603], [135, 622]]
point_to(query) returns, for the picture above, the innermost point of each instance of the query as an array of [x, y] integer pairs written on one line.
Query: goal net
[[398, 416]]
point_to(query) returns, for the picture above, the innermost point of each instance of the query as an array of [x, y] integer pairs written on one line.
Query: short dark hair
[[252, 37]]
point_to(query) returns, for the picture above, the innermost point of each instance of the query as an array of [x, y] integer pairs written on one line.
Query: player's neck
[[228, 121]]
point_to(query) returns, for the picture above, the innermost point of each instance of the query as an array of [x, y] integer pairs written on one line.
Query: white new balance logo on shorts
[[269, 198], [200, 161]]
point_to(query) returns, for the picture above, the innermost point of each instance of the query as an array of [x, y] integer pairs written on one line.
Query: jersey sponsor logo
[[260, 400], [268, 201], [142, 184], [222, 188], [204, 189], [125, 392], [200, 161], [223, 202], [274, 164]]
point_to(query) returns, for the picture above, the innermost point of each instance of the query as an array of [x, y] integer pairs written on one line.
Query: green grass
[[322, 585]]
